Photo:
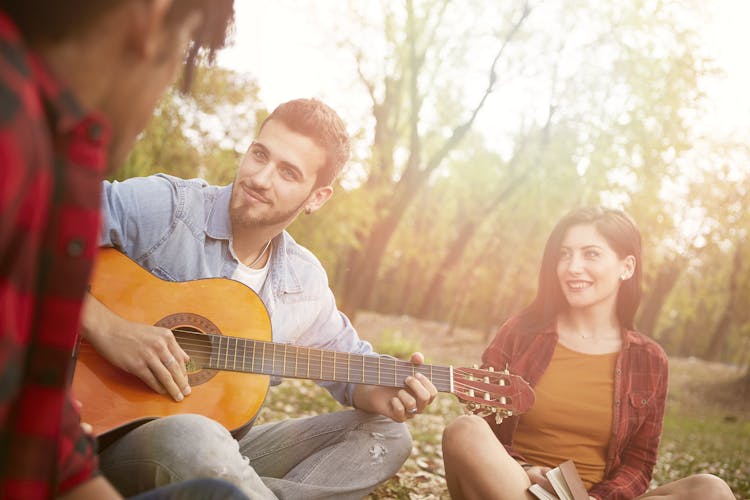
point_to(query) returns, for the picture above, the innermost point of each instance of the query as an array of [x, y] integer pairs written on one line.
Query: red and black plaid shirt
[[52, 160], [640, 394]]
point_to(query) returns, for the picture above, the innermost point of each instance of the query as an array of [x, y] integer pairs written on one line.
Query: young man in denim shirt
[[186, 229]]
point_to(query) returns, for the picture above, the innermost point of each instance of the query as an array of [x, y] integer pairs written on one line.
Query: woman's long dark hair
[[622, 235]]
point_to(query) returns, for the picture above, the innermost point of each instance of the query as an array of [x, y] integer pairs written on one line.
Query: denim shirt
[[180, 230]]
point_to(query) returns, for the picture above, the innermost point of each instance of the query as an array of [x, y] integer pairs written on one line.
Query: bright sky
[[281, 48]]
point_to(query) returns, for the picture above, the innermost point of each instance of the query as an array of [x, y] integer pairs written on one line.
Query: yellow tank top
[[572, 415]]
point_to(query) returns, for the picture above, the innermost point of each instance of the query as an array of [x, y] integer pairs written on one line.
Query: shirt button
[[618, 371], [75, 247], [617, 403], [643, 402], [95, 131]]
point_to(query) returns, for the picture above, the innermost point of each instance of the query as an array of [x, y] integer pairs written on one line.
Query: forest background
[[476, 126], [443, 212]]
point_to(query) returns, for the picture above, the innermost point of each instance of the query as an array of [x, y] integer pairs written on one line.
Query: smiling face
[[277, 179], [589, 270]]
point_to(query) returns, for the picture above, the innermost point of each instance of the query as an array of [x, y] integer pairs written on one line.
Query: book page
[[557, 481], [541, 493]]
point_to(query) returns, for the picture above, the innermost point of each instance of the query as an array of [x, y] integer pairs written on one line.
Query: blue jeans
[[197, 489], [340, 455]]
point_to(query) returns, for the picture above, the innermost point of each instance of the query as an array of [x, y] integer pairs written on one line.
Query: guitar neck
[[292, 361]]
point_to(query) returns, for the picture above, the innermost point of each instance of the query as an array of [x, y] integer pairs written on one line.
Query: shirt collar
[[219, 225]]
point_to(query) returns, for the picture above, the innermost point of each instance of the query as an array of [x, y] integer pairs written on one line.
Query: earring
[[623, 276], [308, 210]]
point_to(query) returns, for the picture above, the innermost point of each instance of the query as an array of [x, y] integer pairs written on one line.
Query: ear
[[628, 268], [317, 199], [146, 20]]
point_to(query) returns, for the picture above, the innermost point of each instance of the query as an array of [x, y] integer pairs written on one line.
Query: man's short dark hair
[[315, 119]]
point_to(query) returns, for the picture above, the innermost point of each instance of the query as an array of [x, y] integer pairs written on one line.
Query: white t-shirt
[[253, 278]]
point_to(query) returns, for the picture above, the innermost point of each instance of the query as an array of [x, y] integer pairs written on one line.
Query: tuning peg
[[498, 418], [491, 368], [471, 393]]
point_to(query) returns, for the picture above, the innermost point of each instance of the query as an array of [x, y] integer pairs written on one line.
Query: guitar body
[[112, 398]]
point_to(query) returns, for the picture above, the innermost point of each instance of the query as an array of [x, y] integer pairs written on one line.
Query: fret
[[321, 365], [379, 370], [244, 354], [363, 368], [283, 368], [218, 354], [334, 365], [348, 367], [273, 359], [263, 359], [307, 374], [252, 358], [226, 355], [395, 373], [234, 358], [296, 359]]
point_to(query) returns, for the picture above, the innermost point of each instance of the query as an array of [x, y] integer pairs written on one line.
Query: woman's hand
[[537, 474]]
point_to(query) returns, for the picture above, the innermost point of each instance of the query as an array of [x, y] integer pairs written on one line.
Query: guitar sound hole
[[190, 331]]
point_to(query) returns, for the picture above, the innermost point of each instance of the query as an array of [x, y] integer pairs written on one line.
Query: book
[[565, 481]]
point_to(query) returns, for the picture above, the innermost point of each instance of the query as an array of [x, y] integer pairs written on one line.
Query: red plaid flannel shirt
[[52, 160], [638, 405]]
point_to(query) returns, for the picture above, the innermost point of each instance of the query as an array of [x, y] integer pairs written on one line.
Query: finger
[[178, 373], [166, 379], [427, 384], [176, 349], [398, 409], [171, 359], [419, 393], [409, 402], [148, 378], [417, 358]]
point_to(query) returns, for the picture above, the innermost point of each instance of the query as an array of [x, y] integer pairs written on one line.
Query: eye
[[591, 254], [564, 254], [289, 173], [259, 154]]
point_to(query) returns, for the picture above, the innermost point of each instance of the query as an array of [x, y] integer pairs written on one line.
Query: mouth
[[577, 285], [254, 195]]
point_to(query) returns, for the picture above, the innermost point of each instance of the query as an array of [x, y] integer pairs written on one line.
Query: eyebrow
[[286, 164], [585, 247]]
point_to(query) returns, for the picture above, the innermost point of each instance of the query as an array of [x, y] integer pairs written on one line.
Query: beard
[[242, 219]]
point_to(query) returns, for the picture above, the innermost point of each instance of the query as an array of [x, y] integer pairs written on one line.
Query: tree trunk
[[654, 302], [721, 332]]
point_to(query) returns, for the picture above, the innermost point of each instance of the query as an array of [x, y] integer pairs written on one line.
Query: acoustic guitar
[[225, 329]]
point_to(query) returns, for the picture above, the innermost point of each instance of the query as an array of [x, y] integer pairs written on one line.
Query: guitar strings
[[386, 372], [316, 356]]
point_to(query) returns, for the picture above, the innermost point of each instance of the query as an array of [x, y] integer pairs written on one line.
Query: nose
[[575, 263], [261, 178]]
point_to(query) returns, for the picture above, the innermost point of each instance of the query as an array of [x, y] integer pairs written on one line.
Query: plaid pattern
[[52, 159], [638, 408]]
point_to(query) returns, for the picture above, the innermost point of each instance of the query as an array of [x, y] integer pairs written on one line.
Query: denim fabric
[[196, 489], [341, 455], [180, 230]]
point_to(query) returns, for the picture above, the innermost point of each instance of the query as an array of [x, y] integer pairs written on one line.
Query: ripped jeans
[[342, 455]]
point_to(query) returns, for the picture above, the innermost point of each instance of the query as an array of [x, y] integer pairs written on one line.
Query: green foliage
[[397, 344], [199, 135]]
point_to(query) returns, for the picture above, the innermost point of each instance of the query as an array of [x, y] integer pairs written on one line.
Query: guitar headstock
[[487, 392]]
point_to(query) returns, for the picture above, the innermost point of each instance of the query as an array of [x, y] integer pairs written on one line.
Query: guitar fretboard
[[292, 361]]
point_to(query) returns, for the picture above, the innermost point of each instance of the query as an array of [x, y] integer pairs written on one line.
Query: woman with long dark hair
[[600, 386]]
